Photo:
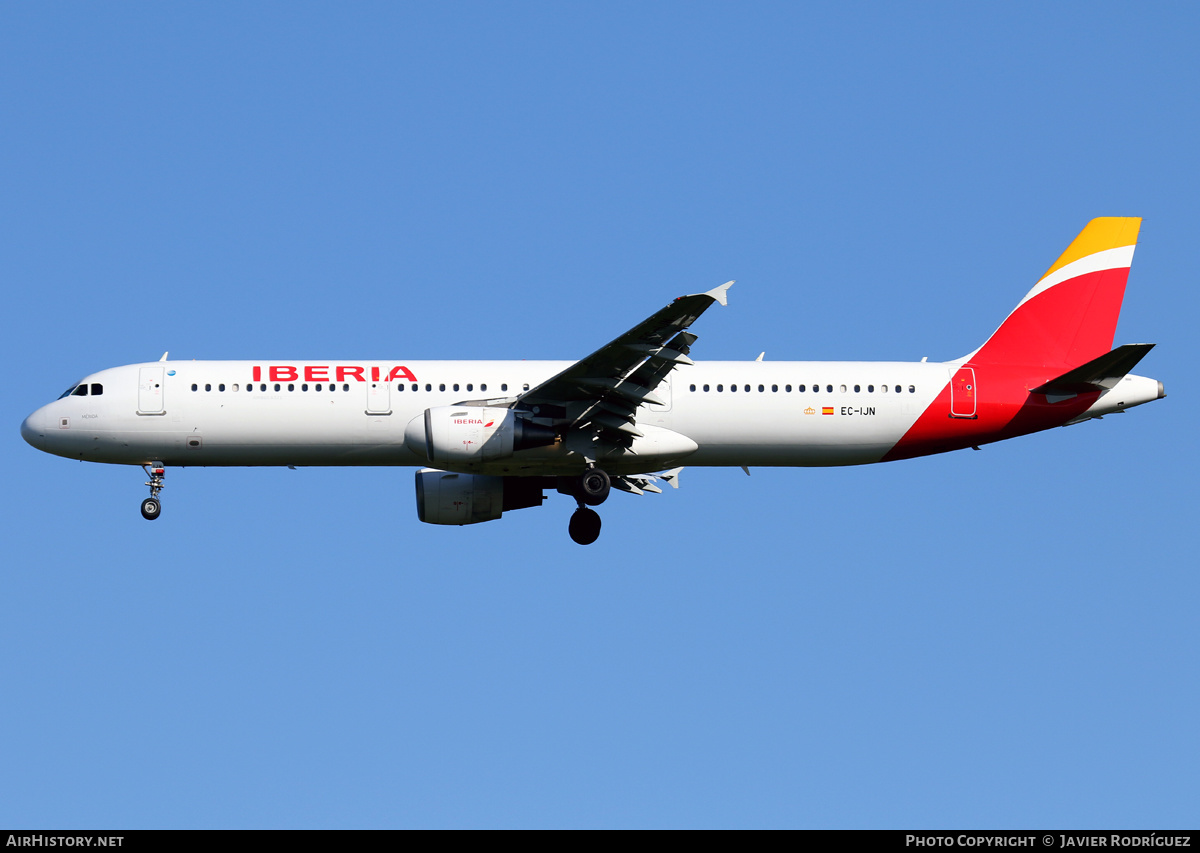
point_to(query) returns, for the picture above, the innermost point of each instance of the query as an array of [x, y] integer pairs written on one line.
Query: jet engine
[[453, 435], [446, 498]]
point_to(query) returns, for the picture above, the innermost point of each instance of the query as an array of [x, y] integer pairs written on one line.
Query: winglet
[[672, 477], [719, 293]]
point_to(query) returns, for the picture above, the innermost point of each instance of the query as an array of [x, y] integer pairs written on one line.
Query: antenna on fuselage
[[164, 357]]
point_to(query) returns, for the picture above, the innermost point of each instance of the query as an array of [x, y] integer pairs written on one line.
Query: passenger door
[[150, 391]]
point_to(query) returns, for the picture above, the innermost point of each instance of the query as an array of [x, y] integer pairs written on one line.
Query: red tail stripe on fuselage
[[1054, 330]]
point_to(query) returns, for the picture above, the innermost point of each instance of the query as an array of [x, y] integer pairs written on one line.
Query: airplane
[[489, 437]]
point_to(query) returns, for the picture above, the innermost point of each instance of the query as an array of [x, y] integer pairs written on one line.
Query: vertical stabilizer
[[1070, 316]]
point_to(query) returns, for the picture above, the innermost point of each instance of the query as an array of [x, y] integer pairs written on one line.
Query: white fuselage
[[252, 413], [229, 419]]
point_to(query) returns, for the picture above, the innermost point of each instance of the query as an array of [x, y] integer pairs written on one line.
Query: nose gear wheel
[[151, 509]]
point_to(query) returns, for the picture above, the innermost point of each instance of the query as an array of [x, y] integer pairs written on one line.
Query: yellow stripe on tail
[[1105, 232]]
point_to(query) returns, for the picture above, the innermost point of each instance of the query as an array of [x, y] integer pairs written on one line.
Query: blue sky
[[999, 639]]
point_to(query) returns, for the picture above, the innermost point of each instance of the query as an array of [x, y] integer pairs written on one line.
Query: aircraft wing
[[602, 392]]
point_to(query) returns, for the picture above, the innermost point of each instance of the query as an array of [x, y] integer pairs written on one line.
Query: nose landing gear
[[151, 506], [591, 489]]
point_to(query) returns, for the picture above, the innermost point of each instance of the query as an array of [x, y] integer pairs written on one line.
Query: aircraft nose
[[32, 430]]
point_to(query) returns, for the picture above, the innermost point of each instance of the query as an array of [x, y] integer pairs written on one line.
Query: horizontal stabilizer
[[1099, 374]]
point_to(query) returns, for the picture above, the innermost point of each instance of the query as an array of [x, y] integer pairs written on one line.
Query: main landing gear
[[591, 489], [151, 506]]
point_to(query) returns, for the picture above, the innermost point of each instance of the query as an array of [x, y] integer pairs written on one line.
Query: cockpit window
[[81, 390]]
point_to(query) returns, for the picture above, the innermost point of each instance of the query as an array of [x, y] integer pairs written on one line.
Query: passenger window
[[221, 387], [761, 388], [195, 387], [97, 389], [526, 386], [705, 387], [801, 388], [857, 389], [897, 389], [428, 387], [483, 387], [504, 386], [345, 386], [399, 387], [693, 387], [442, 387], [774, 387], [870, 389], [787, 388], [263, 387], [304, 387], [235, 387], [276, 386], [829, 389], [720, 387], [455, 386], [731, 388], [291, 387], [470, 387], [912, 389], [883, 389], [415, 386], [843, 387]]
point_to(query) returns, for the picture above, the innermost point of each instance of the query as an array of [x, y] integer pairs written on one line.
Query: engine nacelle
[[446, 498], [453, 435]]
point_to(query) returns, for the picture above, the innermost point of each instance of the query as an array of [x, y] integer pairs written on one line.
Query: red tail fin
[[1070, 316]]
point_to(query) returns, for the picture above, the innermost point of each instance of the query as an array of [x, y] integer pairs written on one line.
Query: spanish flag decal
[[827, 410]]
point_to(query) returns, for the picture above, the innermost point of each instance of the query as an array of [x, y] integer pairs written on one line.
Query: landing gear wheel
[[585, 526], [594, 487], [151, 509]]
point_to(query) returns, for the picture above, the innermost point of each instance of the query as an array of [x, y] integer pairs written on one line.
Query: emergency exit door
[[663, 392], [379, 397]]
